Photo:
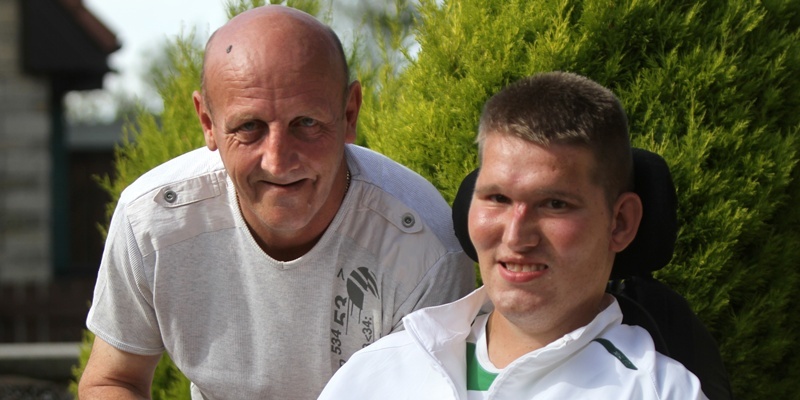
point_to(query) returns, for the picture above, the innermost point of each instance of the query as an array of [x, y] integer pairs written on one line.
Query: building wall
[[25, 187]]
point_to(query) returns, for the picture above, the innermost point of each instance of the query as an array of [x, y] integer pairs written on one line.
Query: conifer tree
[[712, 86]]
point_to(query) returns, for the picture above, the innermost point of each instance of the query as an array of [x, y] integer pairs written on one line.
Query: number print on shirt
[[367, 331], [351, 311]]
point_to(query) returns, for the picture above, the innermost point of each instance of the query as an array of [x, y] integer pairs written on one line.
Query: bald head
[[279, 30]]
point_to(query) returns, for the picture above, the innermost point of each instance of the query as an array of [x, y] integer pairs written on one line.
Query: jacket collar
[[441, 332]]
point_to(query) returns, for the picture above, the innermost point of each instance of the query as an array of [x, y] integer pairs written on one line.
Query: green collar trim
[[616, 353]]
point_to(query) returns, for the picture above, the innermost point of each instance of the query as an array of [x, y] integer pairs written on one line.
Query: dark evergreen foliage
[[712, 86]]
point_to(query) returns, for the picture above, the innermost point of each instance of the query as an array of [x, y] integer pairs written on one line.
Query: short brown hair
[[565, 108]]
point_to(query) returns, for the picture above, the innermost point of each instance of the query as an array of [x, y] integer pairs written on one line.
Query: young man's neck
[[509, 340], [506, 342]]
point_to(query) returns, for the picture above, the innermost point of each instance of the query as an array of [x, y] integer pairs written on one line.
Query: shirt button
[[170, 196], [408, 220]]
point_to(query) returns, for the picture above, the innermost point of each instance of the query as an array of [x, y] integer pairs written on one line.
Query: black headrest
[[654, 243], [461, 213]]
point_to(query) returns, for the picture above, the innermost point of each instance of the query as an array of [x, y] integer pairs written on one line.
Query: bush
[[712, 86]]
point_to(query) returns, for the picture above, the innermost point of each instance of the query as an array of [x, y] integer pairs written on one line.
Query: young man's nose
[[522, 228]]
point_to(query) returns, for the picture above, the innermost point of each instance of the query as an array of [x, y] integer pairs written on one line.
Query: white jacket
[[428, 361]]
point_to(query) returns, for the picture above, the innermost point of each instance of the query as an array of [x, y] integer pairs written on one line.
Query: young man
[[262, 262], [552, 206]]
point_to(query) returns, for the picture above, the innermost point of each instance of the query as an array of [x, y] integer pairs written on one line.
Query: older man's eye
[[249, 126], [307, 122], [249, 131]]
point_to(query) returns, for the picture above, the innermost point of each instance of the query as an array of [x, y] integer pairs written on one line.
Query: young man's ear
[[204, 115], [627, 216]]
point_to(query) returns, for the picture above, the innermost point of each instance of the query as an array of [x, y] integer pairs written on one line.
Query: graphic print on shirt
[[354, 326]]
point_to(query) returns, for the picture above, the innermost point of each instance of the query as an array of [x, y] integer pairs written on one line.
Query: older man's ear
[[204, 115]]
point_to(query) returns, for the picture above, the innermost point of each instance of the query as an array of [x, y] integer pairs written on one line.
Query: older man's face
[[280, 119]]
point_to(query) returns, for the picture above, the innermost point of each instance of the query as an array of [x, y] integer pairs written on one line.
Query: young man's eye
[[499, 198], [556, 204]]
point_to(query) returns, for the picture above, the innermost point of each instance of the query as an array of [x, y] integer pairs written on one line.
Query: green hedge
[[713, 86]]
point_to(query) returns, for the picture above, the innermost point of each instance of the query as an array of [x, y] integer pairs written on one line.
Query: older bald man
[[262, 261]]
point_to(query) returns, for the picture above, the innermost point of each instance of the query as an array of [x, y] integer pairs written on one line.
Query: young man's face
[[543, 231]]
